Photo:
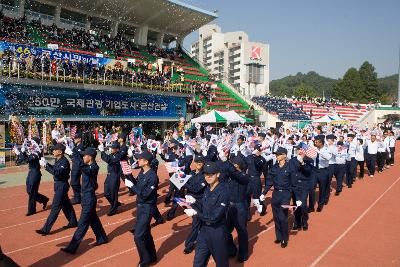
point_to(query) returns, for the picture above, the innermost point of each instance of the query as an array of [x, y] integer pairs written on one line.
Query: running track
[[358, 228]]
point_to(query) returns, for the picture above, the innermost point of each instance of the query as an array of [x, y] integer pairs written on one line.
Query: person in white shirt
[[383, 148], [330, 138], [360, 157], [340, 154], [372, 150], [392, 145], [55, 135]]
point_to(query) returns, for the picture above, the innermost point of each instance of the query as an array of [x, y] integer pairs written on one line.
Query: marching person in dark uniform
[[123, 150], [301, 171], [90, 170], [279, 174], [238, 209], [112, 182], [60, 171], [146, 197], [212, 152], [170, 156], [211, 210], [76, 158], [184, 162], [33, 178], [195, 187]]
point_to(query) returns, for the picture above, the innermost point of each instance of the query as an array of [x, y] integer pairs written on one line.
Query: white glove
[[101, 147], [190, 212], [300, 158], [109, 149], [134, 165], [204, 152], [390, 156], [128, 183], [68, 150], [298, 203], [190, 199], [222, 156], [259, 208], [16, 151], [256, 202], [130, 153], [23, 149], [43, 162], [262, 197]]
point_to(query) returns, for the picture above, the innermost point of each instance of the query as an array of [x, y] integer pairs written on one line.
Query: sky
[[326, 36]]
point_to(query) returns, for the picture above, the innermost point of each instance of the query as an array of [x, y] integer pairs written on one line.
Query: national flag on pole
[[114, 137], [309, 151], [172, 166], [126, 169], [73, 132], [179, 179], [289, 207], [100, 138], [181, 202]]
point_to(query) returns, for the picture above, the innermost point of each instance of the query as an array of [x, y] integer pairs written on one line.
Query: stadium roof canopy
[[169, 16]]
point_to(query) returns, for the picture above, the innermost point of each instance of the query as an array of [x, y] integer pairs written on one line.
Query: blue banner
[[52, 102]]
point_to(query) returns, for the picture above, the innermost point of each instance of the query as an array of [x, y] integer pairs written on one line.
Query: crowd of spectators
[[14, 29], [285, 110], [321, 102]]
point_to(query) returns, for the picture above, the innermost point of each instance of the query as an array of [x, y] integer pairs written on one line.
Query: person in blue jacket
[[89, 170]]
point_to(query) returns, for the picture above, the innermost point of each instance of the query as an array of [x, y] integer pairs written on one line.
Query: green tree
[[369, 80], [350, 87], [304, 90]]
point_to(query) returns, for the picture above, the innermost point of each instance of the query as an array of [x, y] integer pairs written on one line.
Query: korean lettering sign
[[25, 100]]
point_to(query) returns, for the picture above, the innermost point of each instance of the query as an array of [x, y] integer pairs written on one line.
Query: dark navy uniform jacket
[[255, 165], [212, 208], [185, 161], [170, 158], [89, 178], [146, 187], [300, 174], [196, 185], [76, 158], [34, 174], [123, 152], [279, 178], [60, 170], [113, 161], [212, 154], [237, 186]]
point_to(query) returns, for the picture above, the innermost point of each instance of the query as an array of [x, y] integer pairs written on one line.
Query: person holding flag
[[76, 158]]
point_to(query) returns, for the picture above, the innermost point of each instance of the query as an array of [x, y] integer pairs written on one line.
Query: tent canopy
[[219, 117], [330, 119]]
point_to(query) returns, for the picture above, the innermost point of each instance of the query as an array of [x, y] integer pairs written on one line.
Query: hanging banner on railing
[[25, 51], [48, 102]]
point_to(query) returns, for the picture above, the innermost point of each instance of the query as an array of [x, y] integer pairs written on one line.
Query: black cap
[[115, 144], [78, 135], [290, 138], [199, 158], [241, 137], [91, 151], [211, 168], [350, 135], [122, 136], [262, 134], [258, 147], [280, 151], [340, 143], [320, 137], [330, 137], [145, 155], [59, 146]]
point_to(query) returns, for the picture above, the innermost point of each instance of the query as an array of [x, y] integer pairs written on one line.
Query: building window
[[255, 73]]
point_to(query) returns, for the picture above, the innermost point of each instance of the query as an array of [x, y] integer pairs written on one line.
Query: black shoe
[[100, 243], [337, 193], [111, 213], [241, 259], [167, 201], [159, 221], [131, 194], [170, 216], [132, 230], [284, 244], [277, 241], [119, 204], [45, 204], [311, 210], [67, 250], [326, 202], [350, 186], [30, 213], [70, 226], [41, 232], [296, 228], [320, 207], [188, 250], [305, 227]]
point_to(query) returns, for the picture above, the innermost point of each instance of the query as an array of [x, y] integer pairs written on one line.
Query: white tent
[[324, 119], [219, 117], [232, 117]]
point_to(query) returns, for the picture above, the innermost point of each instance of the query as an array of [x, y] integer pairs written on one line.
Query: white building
[[231, 57]]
